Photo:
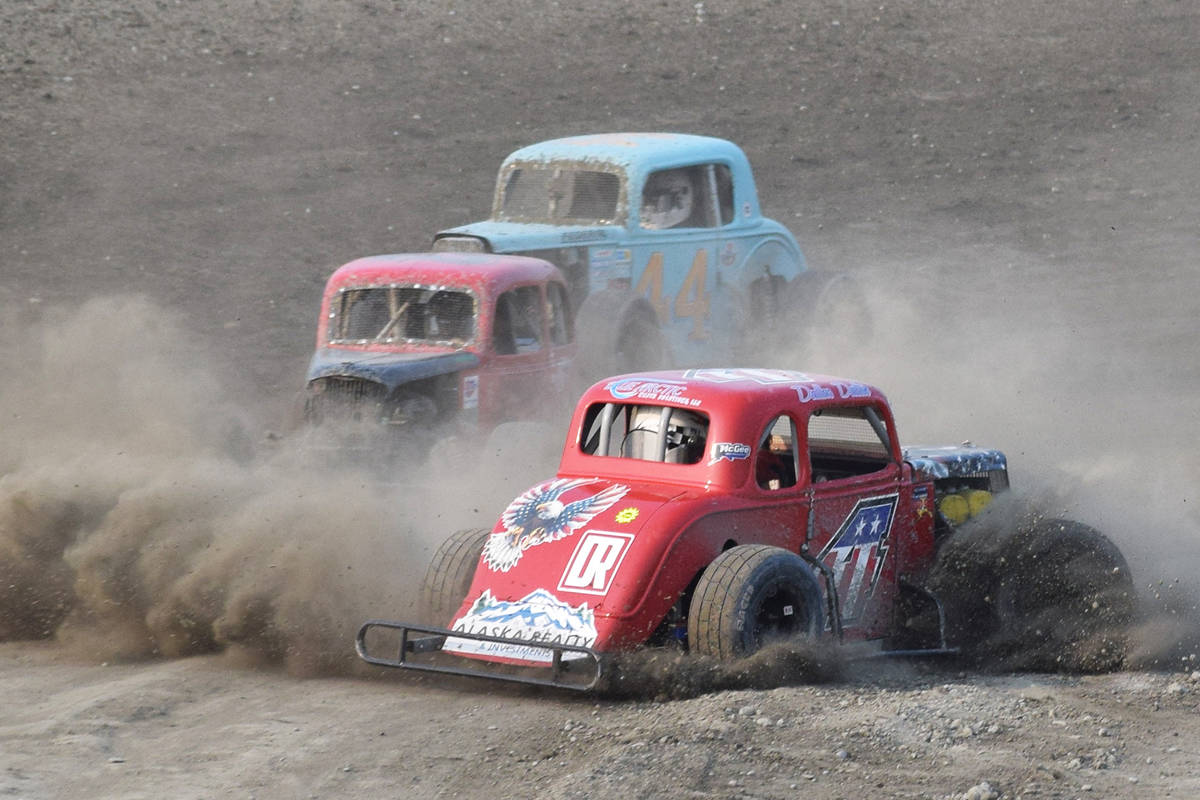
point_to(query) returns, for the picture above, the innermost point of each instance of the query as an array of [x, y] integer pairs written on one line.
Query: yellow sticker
[[627, 515]]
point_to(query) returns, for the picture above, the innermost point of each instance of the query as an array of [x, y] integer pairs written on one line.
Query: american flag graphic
[[857, 551]]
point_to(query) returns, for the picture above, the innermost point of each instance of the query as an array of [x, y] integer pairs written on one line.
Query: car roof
[[728, 389], [638, 150], [486, 272]]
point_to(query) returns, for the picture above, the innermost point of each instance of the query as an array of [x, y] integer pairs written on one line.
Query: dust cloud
[[141, 515], [1090, 416]]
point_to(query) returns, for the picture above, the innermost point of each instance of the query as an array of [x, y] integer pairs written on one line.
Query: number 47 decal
[[692, 301]]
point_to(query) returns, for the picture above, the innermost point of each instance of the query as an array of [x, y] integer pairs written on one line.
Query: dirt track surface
[[1015, 184]]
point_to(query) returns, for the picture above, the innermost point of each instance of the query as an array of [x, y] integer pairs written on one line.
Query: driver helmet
[[667, 199], [684, 443]]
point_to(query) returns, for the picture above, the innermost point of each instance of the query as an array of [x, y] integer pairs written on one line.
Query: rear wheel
[[449, 575], [617, 333], [832, 310], [640, 345], [751, 596]]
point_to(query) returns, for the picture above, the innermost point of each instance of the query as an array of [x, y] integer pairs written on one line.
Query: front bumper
[[582, 671]]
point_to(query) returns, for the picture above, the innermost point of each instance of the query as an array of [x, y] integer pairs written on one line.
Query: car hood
[[519, 237], [566, 557], [954, 461], [390, 369]]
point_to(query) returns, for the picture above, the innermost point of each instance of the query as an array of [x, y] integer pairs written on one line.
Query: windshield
[[558, 193], [409, 314], [645, 432]]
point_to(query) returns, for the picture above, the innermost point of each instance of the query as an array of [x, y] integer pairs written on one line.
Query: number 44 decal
[[691, 302]]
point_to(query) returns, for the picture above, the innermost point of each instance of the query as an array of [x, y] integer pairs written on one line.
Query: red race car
[[723, 509]]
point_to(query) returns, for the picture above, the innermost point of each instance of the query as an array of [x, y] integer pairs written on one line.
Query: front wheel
[[751, 596], [449, 576], [1064, 598]]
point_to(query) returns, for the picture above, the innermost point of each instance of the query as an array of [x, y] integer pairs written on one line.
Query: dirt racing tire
[[449, 575], [750, 596], [1063, 598], [617, 333], [831, 308], [640, 345], [1050, 595]]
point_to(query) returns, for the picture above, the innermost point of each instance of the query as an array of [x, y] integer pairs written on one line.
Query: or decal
[[470, 391], [595, 561], [856, 553], [627, 515], [746, 210], [538, 516], [665, 391], [729, 451], [538, 617]]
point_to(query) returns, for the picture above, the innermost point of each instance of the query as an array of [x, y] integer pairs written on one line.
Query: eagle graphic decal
[[538, 516]]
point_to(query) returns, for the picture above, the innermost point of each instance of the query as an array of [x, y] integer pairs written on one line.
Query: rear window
[[645, 432]]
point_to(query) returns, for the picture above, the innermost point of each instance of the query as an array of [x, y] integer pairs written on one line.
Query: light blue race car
[[663, 244]]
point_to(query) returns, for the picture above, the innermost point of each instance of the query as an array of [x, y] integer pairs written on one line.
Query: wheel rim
[[782, 614]]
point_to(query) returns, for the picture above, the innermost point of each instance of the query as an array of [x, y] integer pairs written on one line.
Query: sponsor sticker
[[470, 391], [538, 617], [665, 391], [843, 390], [611, 263], [729, 451]]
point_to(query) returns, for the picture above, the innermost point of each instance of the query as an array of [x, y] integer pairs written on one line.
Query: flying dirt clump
[[132, 524], [662, 674], [1026, 590]]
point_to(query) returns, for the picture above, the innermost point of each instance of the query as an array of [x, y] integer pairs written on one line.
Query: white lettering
[[594, 562]]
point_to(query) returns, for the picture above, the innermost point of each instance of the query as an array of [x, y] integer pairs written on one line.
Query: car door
[[858, 510], [518, 385], [674, 254]]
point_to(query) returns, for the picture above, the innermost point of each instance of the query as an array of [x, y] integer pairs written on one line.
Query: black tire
[[832, 309], [750, 596], [449, 575], [1064, 598], [640, 345], [1054, 595], [617, 333]]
